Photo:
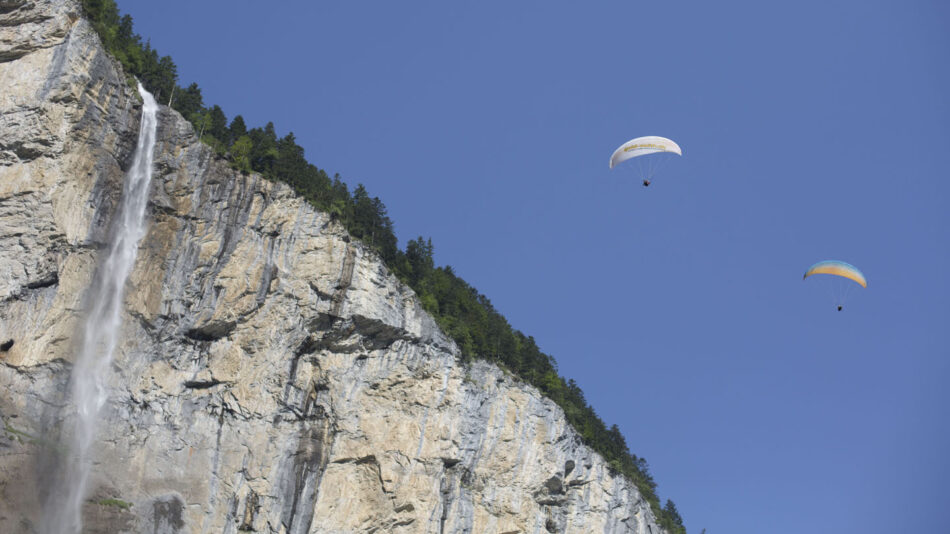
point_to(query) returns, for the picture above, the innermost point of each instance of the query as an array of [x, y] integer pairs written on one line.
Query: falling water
[[101, 332]]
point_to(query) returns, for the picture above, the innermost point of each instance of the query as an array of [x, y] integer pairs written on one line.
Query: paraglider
[[841, 270], [645, 146]]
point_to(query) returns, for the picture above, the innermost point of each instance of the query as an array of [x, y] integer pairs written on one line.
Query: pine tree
[[237, 129], [421, 264], [218, 126], [188, 101]]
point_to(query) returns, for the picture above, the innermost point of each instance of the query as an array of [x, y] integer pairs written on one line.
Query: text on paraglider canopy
[[638, 147]]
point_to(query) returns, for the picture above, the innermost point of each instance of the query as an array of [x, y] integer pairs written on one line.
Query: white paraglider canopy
[[641, 146]]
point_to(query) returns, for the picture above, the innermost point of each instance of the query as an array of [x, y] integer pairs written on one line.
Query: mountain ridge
[[322, 402]]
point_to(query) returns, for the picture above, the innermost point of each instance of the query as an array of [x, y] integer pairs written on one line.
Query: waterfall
[[63, 514]]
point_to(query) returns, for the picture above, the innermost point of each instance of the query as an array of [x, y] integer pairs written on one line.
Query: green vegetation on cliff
[[462, 312]]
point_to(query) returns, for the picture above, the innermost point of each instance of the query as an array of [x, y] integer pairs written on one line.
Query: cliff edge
[[272, 375]]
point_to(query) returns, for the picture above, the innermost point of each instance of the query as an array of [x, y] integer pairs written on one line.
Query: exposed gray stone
[[272, 376]]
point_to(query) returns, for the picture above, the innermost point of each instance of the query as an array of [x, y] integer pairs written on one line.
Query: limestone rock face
[[272, 375]]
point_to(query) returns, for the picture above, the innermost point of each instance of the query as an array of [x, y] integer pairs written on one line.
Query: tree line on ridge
[[460, 310]]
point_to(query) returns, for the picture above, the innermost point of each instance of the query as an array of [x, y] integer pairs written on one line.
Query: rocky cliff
[[272, 376]]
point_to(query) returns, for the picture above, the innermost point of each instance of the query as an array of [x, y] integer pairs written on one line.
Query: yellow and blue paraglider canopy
[[838, 268]]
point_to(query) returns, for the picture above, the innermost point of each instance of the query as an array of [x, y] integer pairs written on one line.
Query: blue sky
[[811, 130]]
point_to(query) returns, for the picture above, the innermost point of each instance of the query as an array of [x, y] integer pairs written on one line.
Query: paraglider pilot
[[646, 183], [839, 307]]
